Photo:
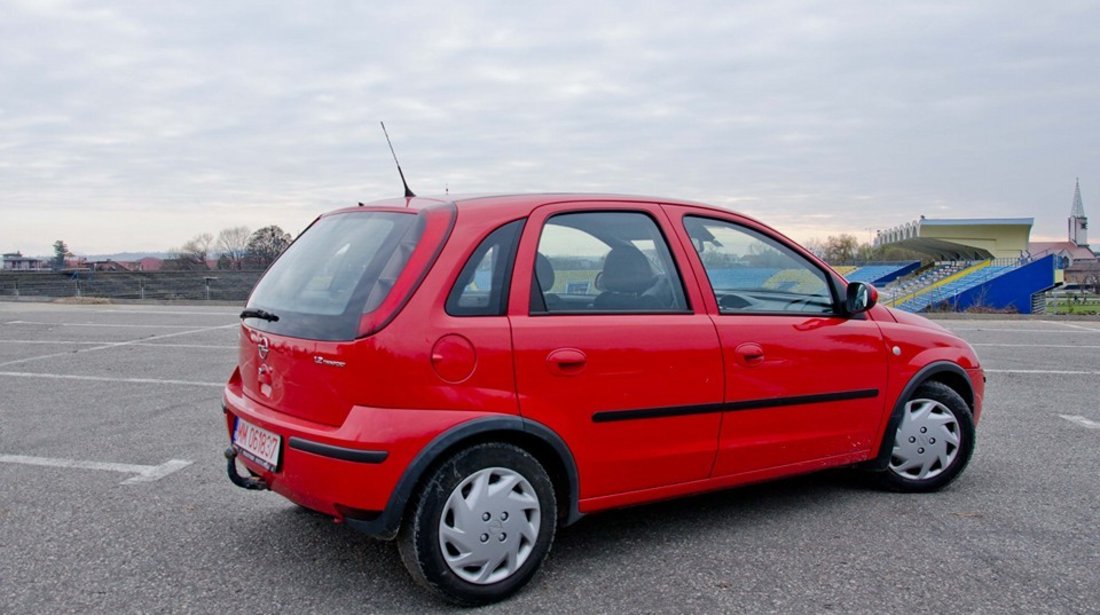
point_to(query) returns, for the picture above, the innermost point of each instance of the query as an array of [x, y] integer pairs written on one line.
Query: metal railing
[[213, 285]]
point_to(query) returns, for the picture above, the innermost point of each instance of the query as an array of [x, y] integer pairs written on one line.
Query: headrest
[[544, 271], [626, 270]]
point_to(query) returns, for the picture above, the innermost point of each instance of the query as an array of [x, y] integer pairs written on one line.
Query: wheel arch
[[538, 440], [945, 372], [958, 380]]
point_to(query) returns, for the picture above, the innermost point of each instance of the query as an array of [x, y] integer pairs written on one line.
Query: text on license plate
[[258, 444]]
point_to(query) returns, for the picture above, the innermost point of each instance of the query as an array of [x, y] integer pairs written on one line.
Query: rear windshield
[[342, 267]]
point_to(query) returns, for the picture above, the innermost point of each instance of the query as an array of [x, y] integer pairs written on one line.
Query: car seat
[[626, 275]]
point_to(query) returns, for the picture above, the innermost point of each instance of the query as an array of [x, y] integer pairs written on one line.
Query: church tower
[[1078, 223]]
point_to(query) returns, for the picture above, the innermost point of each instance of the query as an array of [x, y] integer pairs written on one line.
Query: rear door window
[[482, 286], [605, 262], [342, 267]]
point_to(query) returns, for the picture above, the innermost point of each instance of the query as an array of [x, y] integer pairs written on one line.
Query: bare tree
[[232, 242], [193, 253], [841, 248], [815, 246], [1092, 279], [865, 252]]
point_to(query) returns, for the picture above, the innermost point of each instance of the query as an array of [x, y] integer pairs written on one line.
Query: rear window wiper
[[258, 313]]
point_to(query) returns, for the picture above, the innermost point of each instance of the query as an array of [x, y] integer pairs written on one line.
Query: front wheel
[[933, 442], [482, 525]]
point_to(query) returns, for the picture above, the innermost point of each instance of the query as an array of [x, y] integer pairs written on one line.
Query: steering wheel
[[798, 305]]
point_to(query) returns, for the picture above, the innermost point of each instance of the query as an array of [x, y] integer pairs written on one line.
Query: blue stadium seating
[[952, 289], [874, 274]]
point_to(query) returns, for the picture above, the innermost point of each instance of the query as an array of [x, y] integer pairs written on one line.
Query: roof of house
[[1074, 251]]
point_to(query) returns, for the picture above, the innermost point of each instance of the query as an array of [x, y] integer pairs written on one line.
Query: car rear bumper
[[328, 469], [349, 471]]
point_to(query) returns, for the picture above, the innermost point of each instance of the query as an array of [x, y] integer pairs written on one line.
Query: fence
[[215, 285]]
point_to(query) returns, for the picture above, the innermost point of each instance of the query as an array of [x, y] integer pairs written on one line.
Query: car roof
[[522, 203]]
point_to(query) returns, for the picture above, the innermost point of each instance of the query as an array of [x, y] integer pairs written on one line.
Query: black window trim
[[536, 290], [502, 272]]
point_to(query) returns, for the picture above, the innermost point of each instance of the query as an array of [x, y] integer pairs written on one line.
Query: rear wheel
[[932, 443], [481, 526]]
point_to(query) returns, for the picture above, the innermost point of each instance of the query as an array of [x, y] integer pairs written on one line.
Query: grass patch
[[83, 300], [1086, 306]]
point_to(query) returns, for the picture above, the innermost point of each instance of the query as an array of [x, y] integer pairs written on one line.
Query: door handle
[[566, 361], [750, 354]]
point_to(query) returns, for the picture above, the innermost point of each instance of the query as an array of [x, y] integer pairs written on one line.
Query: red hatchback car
[[468, 375]]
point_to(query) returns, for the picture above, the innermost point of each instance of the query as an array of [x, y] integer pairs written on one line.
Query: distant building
[[1067, 252], [149, 263], [1080, 264], [15, 261], [110, 265], [1078, 222], [1076, 248]]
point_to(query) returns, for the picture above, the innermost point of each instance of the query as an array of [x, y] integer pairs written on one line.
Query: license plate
[[256, 443]]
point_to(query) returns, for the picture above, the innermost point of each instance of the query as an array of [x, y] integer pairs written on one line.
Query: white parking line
[[207, 346], [1010, 330], [1080, 420], [1070, 325], [145, 474], [173, 313], [1035, 346], [1043, 371], [114, 345], [98, 324], [108, 379], [56, 309]]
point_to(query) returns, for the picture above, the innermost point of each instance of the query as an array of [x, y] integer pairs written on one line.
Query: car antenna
[[408, 193]]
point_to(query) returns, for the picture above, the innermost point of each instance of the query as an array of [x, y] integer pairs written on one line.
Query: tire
[[932, 443], [472, 549]]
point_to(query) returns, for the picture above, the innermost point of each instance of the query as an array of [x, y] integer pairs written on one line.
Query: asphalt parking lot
[[113, 498]]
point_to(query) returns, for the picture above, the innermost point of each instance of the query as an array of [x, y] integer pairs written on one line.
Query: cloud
[[138, 125]]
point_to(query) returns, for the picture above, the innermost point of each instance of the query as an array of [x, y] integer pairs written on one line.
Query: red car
[[469, 375]]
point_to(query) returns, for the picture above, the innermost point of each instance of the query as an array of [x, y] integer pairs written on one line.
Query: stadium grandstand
[[984, 263]]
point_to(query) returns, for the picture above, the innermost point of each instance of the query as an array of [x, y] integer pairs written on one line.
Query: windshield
[[342, 267]]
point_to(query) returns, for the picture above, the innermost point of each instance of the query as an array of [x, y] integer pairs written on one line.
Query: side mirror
[[861, 297]]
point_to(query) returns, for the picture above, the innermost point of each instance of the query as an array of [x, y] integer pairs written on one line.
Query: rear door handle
[[566, 361], [750, 354]]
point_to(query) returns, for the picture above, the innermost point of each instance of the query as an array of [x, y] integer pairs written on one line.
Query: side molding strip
[[337, 452], [734, 406]]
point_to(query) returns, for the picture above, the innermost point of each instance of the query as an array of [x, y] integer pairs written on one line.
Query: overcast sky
[[137, 125]]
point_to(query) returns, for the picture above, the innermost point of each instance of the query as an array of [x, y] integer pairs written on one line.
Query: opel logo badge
[[263, 347]]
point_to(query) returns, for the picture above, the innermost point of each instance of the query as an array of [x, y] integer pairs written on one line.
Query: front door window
[[752, 273]]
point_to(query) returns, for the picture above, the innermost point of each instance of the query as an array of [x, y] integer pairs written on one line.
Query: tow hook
[[244, 482]]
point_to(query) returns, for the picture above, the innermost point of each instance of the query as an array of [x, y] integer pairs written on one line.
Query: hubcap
[[489, 525], [927, 440]]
